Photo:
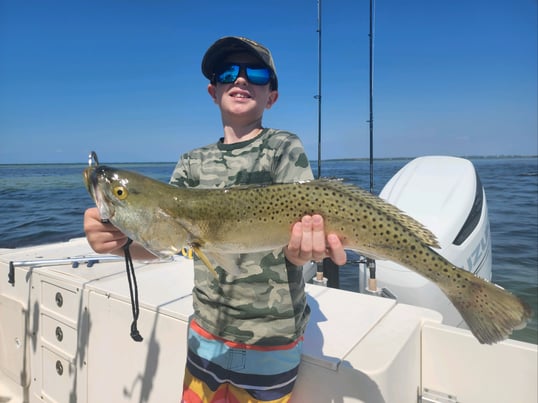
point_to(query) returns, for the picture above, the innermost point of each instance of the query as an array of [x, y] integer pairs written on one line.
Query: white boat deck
[[357, 348]]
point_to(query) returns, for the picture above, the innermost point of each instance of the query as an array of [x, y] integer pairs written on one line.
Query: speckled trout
[[219, 224]]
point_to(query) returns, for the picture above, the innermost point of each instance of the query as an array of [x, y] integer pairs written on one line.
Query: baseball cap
[[234, 44]]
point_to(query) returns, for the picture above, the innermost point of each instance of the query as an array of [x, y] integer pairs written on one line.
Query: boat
[[66, 317]]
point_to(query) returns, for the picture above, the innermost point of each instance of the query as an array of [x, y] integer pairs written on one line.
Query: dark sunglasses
[[257, 75]]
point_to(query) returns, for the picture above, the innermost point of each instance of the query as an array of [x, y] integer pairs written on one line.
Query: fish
[[219, 224]]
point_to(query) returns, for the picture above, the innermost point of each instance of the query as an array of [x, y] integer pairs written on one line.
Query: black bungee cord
[[133, 290]]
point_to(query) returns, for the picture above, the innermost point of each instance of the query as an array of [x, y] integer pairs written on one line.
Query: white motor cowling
[[446, 195]]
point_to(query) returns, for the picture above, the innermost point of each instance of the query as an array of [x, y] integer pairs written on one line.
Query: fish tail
[[491, 312]]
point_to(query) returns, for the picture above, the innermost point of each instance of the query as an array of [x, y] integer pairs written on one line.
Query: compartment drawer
[[58, 378], [60, 300], [59, 335]]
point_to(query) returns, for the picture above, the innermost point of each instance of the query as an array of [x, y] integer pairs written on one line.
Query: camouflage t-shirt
[[266, 303]]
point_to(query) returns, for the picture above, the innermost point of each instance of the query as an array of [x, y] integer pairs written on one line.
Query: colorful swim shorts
[[220, 371]]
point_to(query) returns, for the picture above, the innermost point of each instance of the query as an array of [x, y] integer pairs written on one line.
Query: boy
[[245, 337]]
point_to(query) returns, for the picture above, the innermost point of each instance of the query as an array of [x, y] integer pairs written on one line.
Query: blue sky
[[123, 77]]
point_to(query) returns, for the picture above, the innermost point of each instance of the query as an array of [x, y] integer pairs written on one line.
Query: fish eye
[[120, 192]]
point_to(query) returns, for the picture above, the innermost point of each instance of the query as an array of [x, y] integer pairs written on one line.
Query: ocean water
[[45, 203]]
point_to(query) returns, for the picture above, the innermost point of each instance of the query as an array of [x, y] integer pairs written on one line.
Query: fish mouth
[[93, 176]]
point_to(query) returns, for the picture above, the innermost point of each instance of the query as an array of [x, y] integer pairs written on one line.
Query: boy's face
[[241, 99]]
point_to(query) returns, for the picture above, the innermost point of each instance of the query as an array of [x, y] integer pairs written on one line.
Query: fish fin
[[204, 259], [491, 312], [212, 259], [228, 261], [418, 229]]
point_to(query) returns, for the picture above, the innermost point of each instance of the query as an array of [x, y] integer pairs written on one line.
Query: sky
[[452, 77]]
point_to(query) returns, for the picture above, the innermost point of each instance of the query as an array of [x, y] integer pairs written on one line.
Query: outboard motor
[[446, 195]]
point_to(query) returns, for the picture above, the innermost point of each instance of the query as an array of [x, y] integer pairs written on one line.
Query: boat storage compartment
[[59, 312], [59, 376], [60, 301], [13, 345]]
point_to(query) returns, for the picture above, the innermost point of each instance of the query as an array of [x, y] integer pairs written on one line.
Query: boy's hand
[[308, 242], [102, 237]]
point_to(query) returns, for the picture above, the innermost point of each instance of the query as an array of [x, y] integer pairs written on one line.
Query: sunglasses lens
[[228, 74], [255, 75], [258, 75]]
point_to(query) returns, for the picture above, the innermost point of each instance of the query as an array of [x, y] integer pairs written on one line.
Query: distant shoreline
[[469, 157]]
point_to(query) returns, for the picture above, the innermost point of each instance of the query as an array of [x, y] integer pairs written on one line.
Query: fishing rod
[[318, 96], [370, 263], [327, 272], [371, 79]]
